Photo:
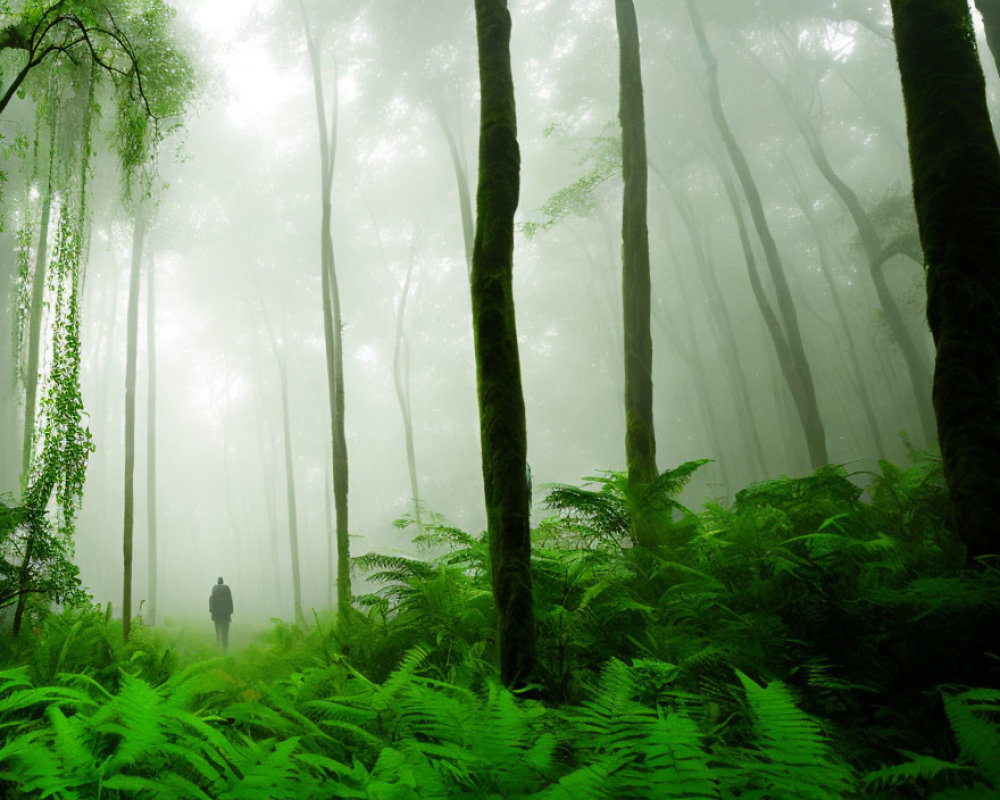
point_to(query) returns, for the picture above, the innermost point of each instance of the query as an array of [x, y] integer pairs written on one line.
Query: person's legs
[[218, 631], [224, 626]]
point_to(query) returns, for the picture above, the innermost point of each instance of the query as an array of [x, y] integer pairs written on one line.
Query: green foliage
[[600, 158], [645, 654]]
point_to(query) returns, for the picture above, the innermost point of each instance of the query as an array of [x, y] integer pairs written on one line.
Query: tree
[[878, 254], [332, 320], [990, 9], [131, 351], [55, 446], [502, 427], [640, 438], [783, 326], [151, 441], [79, 30], [956, 190]]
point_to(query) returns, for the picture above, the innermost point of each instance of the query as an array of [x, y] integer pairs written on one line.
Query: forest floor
[[797, 642]]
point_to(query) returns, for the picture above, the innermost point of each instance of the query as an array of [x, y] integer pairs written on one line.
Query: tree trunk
[[293, 525], [877, 255], [794, 364], [732, 361], [131, 346], [956, 190], [37, 307], [401, 382], [457, 156], [498, 372], [640, 439], [151, 441], [332, 321], [838, 304]]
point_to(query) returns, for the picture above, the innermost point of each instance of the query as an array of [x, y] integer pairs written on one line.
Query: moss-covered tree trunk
[[131, 348], [640, 439], [332, 320], [791, 354], [498, 370], [956, 190]]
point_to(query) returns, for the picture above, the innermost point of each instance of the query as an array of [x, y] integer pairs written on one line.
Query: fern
[[974, 717], [792, 757]]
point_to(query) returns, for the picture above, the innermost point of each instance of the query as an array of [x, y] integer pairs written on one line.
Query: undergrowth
[[806, 640]]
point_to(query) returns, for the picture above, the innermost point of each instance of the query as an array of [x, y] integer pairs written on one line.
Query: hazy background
[[236, 236]]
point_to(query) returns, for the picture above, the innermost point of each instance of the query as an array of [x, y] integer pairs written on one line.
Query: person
[[220, 606]]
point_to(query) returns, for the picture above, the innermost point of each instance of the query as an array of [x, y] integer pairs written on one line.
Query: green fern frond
[[978, 735], [917, 768], [794, 757]]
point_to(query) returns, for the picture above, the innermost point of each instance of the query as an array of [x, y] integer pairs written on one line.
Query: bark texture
[[640, 439], [498, 371], [956, 190]]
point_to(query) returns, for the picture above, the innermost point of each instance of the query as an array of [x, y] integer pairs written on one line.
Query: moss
[[956, 190], [498, 371]]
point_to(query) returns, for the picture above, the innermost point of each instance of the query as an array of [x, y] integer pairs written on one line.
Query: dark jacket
[[220, 604]]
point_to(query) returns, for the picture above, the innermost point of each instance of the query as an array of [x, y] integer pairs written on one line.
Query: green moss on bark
[[498, 371], [956, 189]]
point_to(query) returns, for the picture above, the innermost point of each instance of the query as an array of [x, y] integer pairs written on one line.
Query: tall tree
[[332, 320], [503, 434], [787, 337], [878, 254], [956, 191], [293, 525], [151, 443], [131, 349], [640, 439], [34, 332], [990, 9]]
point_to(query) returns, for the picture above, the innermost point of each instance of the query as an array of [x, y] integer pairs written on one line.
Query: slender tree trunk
[[732, 362], [331, 543], [498, 371], [131, 347], [293, 525], [401, 382], [456, 153], [37, 307], [795, 365], [877, 255], [151, 440], [956, 190], [640, 439], [696, 364], [845, 325], [332, 321]]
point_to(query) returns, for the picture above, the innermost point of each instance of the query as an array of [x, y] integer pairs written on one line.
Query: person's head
[[220, 580]]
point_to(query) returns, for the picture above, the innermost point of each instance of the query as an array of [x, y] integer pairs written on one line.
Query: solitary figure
[[220, 606]]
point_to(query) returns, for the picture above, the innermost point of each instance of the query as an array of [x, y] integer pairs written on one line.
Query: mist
[[234, 250]]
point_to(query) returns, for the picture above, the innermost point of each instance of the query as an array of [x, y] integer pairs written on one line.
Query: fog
[[234, 248]]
